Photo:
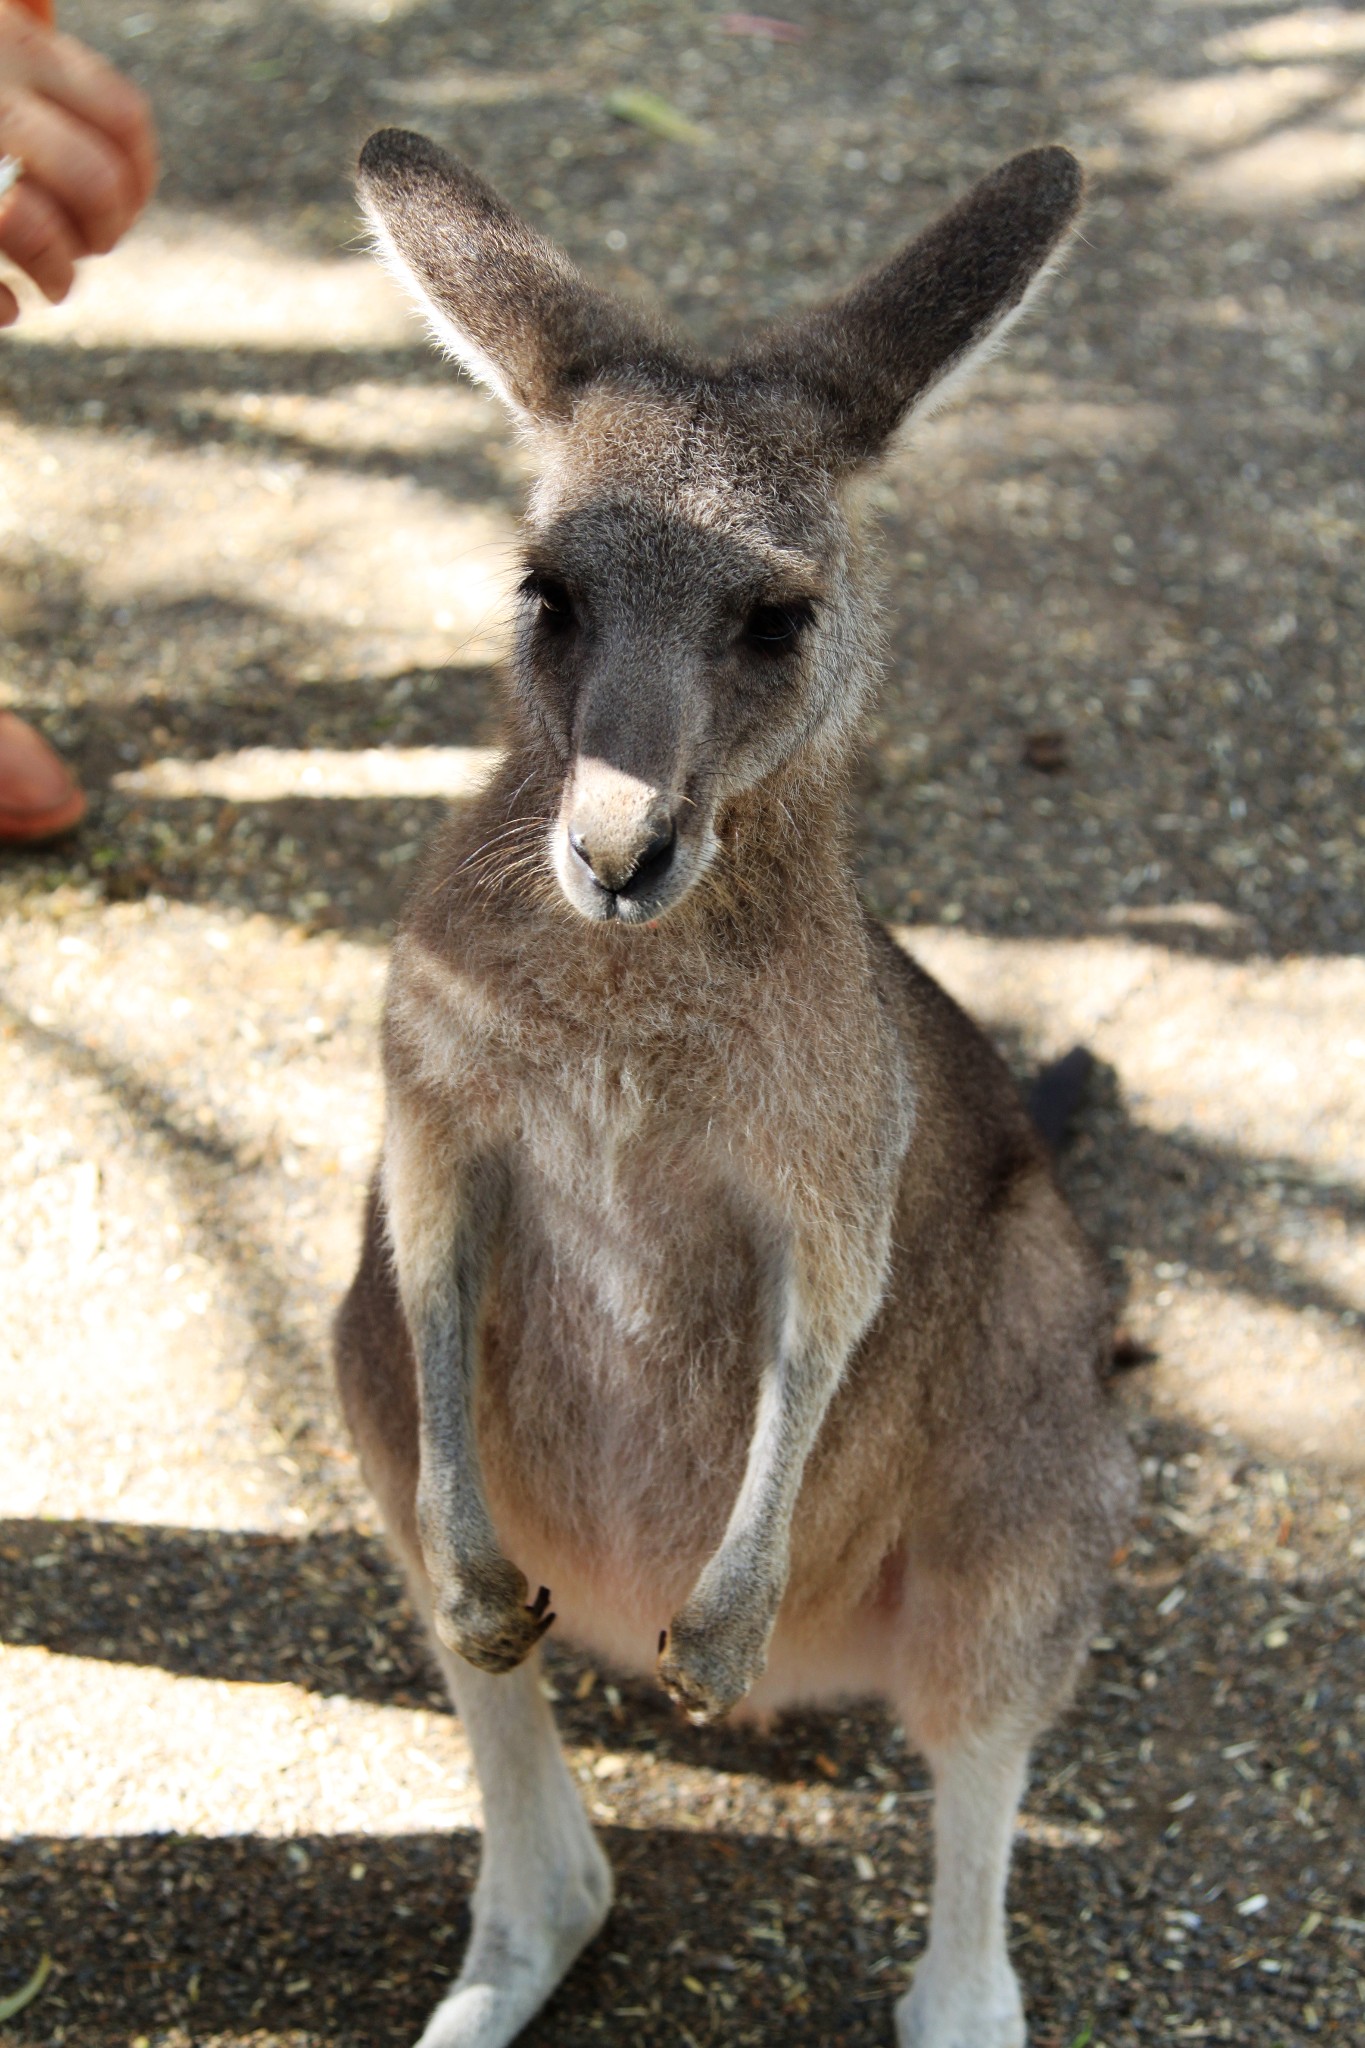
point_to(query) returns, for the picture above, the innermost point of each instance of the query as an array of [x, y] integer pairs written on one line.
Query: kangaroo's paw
[[711, 1655], [961, 2009], [515, 1961], [488, 1621]]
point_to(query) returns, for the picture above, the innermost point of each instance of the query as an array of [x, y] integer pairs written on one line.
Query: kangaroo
[[713, 1274]]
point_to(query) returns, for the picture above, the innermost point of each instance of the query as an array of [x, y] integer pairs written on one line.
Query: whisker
[[507, 831], [503, 860], [508, 874]]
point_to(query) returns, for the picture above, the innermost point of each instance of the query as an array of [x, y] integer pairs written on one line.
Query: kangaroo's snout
[[618, 848]]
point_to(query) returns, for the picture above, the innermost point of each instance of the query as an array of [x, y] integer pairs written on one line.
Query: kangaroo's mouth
[[625, 850], [638, 895]]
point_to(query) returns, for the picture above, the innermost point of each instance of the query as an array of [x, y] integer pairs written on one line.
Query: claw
[[703, 1673], [489, 1634]]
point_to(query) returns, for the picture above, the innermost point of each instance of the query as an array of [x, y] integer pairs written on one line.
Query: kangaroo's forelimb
[[717, 1643], [480, 1604]]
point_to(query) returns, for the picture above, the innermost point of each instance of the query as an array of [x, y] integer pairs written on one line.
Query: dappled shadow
[[1112, 586], [327, 1611], [309, 75], [1220, 1219], [218, 1195], [1146, 812], [1270, 126], [309, 81], [1115, 1170], [238, 675], [1237, 1696], [342, 864], [1206, 1200], [249, 1935], [1014, 612], [187, 399]]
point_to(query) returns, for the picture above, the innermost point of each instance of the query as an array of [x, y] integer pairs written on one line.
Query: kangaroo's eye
[[776, 628], [554, 606]]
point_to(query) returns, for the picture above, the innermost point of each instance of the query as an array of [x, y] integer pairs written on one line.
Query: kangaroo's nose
[[628, 870]]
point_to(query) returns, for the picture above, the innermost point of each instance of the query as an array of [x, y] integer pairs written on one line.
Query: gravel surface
[[256, 542]]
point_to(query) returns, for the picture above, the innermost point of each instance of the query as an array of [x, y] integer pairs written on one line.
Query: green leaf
[[17, 2000], [1086, 2035], [655, 115]]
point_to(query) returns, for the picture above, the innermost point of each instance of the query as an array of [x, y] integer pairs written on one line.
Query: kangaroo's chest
[[630, 1241]]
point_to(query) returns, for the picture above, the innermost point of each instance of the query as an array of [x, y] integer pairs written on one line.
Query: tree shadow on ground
[[180, 400], [255, 1936], [328, 1611], [1016, 846], [1212, 1669], [741, 1937], [1182, 1199]]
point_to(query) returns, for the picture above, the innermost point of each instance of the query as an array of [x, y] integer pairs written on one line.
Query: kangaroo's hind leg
[[991, 1658], [965, 1993], [544, 1886]]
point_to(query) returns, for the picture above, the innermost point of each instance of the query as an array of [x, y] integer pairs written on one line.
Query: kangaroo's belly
[[620, 1357], [625, 1328]]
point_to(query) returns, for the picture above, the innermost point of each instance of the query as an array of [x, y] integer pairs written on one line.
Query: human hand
[[84, 136]]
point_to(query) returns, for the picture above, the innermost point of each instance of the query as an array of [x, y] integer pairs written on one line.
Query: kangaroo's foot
[[717, 1645], [965, 1993], [518, 1953], [943, 2009]]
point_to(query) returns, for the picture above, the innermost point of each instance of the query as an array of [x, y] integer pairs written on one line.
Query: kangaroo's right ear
[[499, 297]]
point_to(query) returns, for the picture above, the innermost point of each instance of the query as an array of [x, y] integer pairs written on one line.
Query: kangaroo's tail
[[1057, 1094]]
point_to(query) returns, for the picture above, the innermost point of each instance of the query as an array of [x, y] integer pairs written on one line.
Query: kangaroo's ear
[[893, 343], [500, 298]]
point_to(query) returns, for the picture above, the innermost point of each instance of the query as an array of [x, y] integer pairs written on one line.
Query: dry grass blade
[[26, 1993]]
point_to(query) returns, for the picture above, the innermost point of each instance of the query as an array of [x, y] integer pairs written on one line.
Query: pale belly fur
[[618, 1380], [619, 1387]]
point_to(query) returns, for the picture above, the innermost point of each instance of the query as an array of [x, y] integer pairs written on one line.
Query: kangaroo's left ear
[[893, 343]]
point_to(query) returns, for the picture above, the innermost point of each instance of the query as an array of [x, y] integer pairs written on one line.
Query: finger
[[78, 79], [9, 307], [111, 102], [37, 235], [86, 174]]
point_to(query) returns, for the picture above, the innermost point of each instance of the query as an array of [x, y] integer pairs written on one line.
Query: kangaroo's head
[[691, 614]]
